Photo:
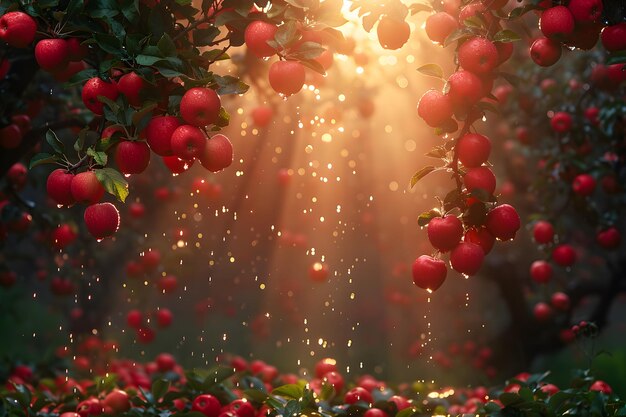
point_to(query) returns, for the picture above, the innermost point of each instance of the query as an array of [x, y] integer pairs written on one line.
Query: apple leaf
[[113, 182], [294, 391], [432, 70], [506, 35], [43, 158], [99, 157], [425, 218], [457, 35], [54, 141], [421, 174]]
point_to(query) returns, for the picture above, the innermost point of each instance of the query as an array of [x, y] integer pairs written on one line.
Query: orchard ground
[[209, 177]]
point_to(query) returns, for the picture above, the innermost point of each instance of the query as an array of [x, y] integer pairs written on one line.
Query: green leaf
[[487, 106], [510, 398], [432, 70], [520, 11], [457, 35], [421, 174], [255, 395], [308, 50], [204, 37], [167, 46], [113, 181], [99, 157], [438, 152], [140, 116], [109, 43], [292, 409], [223, 119], [159, 388], [616, 58], [148, 60], [230, 85], [314, 65], [287, 34], [407, 412], [425, 218], [54, 141], [294, 391], [43, 158], [80, 141], [506, 35], [474, 22]]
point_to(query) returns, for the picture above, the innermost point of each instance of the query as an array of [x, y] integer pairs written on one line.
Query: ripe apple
[[59, 188], [614, 37], [10, 136], [63, 235], [98, 87], [17, 175], [17, 29], [177, 165], [200, 107], [545, 52], [564, 255], [257, 34], [392, 33], [478, 55], [325, 366], [358, 394], [165, 362], [541, 272], [159, 134], [132, 157], [102, 220], [482, 237], [86, 188], [467, 258], [560, 301], [609, 238], [435, 108], [542, 311], [429, 273], [480, 178], [188, 142], [585, 11], [439, 26], [543, 232], [164, 317], [444, 233], [207, 405], [557, 23], [52, 54], [117, 401], [262, 116], [466, 89], [584, 185], [503, 222], [131, 86], [473, 149], [217, 153], [561, 122], [134, 319], [286, 77]]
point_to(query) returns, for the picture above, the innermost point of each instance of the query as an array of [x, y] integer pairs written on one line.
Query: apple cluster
[[482, 46], [577, 24], [179, 137]]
